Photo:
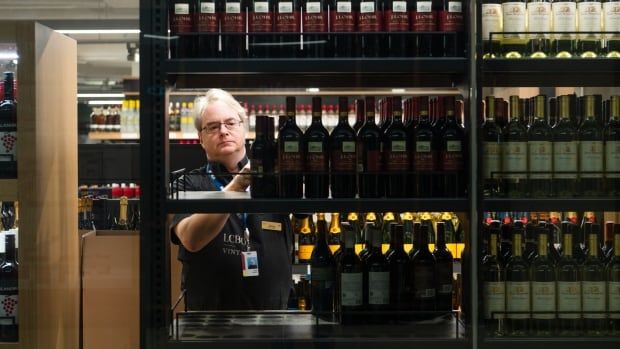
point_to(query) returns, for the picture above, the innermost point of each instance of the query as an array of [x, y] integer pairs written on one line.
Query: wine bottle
[[388, 219], [543, 278], [514, 159], [287, 25], [181, 13], [208, 24], [407, 218], [569, 287], [424, 153], [451, 21], [518, 286], [314, 26], [589, 19], [262, 155], [121, 222], [369, 227], [564, 25], [593, 288], [452, 147], [611, 23], [351, 285], [376, 278], [356, 224], [443, 271], [370, 153], [422, 276], [591, 152], [611, 136], [423, 19], [334, 238], [9, 292], [540, 156], [291, 159], [396, 14], [607, 247], [306, 240], [396, 153], [342, 145], [492, 26], [491, 151], [315, 145], [233, 26], [564, 152], [342, 27], [398, 264], [323, 275], [612, 273], [8, 128], [494, 287], [515, 22], [261, 13], [539, 28], [370, 24]]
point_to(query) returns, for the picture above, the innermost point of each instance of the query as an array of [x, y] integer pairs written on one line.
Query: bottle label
[[397, 158], [351, 289], [589, 13], [181, 21], [564, 17], [423, 158], [540, 159], [344, 159], [612, 159], [569, 299], [518, 299], [611, 18], [8, 310], [452, 157], [423, 18], [233, 7], [514, 18], [287, 20], [368, 20], [515, 160], [613, 292], [8, 147], [424, 282], [343, 18], [290, 158], [397, 19], [315, 20], [491, 163], [539, 18], [591, 155], [593, 299], [494, 300], [565, 160], [305, 252], [543, 300], [453, 19], [207, 18], [261, 20], [378, 288], [233, 20], [491, 20]]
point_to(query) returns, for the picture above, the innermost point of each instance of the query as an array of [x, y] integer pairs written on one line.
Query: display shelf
[[556, 204], [222, 202], [8, 190], [577, 342], [550, 72], [303, 73]]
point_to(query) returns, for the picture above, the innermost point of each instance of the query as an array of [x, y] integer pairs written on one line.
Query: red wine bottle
[[342, 145], [369, 23], [208, 25], [288, 27], [376, 278], [443, 270], [291, 158], [424, 153], [342, 28], [8, 292], [396, 15], [233, 27], [422, 276], [323, 275], [315, 145], [452, 149], [451, 20], [262, 156], [351, 281], [181, 13], [398, 263], [396, 153], [386, 114], [424, 19], [359, 114], [315, 25], [261, 13], [8, 128], [370, 152]]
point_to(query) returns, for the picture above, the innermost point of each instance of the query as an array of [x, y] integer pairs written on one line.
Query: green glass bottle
[[593, 285], [565, 144], [518, 286], [514, 146], [543, 288], [540, 155], [569, 287], [612, 273], [590, 151]]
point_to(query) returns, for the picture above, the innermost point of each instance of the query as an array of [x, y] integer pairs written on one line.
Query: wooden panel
[[8, 190], [9, 346]]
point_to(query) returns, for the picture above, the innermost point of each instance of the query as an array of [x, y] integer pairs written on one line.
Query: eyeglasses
[[214, 127]]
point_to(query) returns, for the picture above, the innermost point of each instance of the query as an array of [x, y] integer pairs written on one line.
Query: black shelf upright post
[[154, 251]]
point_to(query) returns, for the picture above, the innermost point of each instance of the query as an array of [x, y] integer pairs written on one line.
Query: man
[[221, 252]]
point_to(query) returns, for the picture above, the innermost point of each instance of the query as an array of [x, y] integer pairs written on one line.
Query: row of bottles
[[549, 289], [9, 274], [125, 119], [545, 28], [316, 28], [8, 128], [363, 224], [536, 159], [181, 117], [344, 283], [398, 158], [108, 214]]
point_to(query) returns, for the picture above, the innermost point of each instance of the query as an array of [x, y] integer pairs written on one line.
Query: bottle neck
[[517, 249], [321, 232], [542, 245], [441, 236], [617, 245], [397, 240], [9, 94], [593, 245], [9, 248], [568, 245], [493, 244]]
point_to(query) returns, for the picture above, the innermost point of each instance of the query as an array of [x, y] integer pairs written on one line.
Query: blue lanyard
[[243, 217]]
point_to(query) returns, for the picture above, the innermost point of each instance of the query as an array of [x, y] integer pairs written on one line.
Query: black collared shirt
[[212, 277]]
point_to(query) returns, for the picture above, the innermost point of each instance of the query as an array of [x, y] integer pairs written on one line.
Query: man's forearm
[[198, 230]]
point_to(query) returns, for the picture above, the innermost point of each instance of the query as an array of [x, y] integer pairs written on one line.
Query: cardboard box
[[110, 262]]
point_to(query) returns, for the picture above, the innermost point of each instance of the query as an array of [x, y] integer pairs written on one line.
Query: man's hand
[[241, 181]]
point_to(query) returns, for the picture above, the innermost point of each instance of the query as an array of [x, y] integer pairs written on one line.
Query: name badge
[[249, 263], [267, 225]]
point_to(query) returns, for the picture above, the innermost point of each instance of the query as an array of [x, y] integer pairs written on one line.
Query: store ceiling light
[[398, 90], [8, 55], [99, 31], [100, 95], [313, 90]]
